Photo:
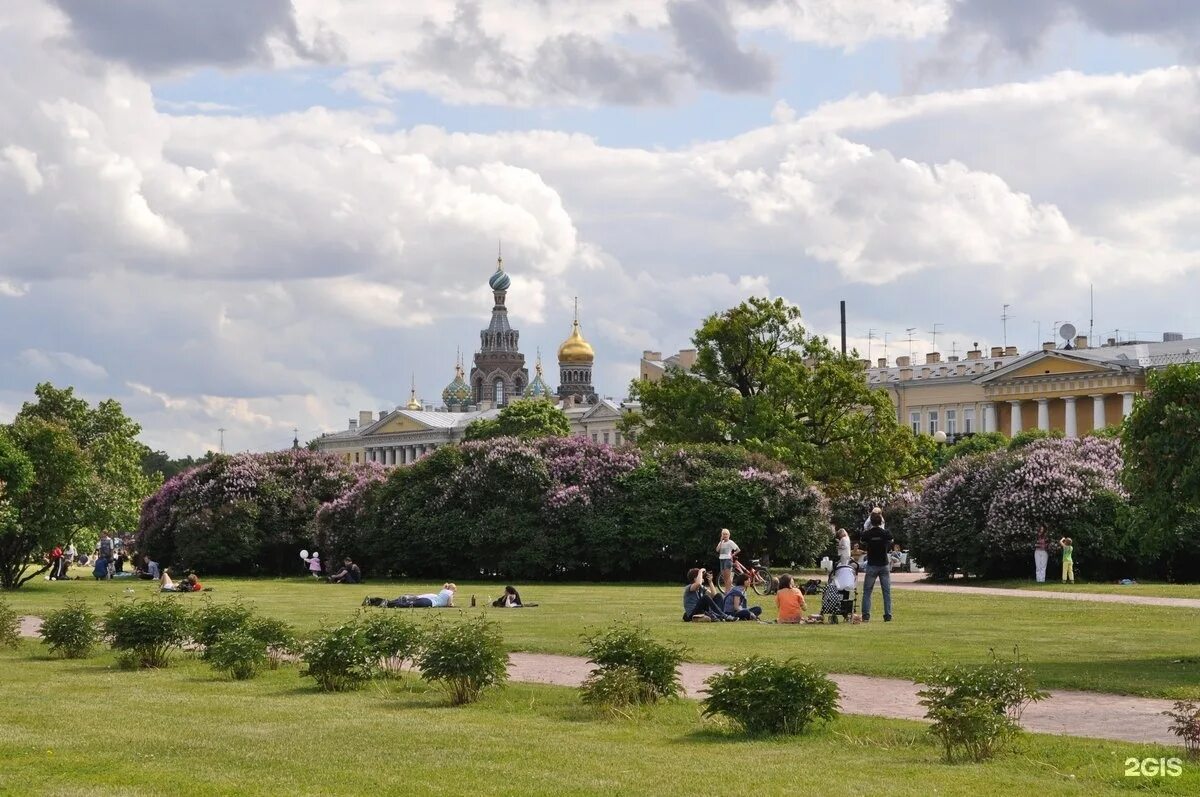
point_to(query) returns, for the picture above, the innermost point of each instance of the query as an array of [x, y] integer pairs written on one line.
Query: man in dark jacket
[[877, 540]]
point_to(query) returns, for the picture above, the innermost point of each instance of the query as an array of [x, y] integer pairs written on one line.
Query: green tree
[[87, 476], [1161, 445], [525, 418], [761, 381]]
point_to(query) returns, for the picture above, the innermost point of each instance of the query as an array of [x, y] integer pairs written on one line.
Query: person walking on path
[[1068, 560], [877, 540], [843, 547], [726, 548], [1041, 555]]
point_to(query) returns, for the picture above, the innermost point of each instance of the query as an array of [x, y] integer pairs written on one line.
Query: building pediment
[[1042, 364], [399, 421]]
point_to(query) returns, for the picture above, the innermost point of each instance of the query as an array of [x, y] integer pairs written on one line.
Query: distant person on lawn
[[1068, 560], [789, 600], [511, 599], [726, 548], [698, 603], [877, 540], [165, 584], [314, 565], [439, 600], [843, 547], [1041, 555], [736, 604], [349, 574]]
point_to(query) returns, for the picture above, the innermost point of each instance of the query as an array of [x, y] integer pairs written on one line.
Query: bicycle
[[758, 576]]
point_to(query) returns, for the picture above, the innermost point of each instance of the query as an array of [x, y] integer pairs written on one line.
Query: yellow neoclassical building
[[1074, 389]]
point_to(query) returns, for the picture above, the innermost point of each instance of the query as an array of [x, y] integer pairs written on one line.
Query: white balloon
[[304, 554]]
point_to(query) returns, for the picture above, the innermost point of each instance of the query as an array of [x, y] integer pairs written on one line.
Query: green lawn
[[1155, 589], [1150, 651], [86, 728]]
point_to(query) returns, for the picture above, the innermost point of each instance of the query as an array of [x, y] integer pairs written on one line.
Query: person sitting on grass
[[349, 574], [511, 599], [165, 584], [789, 600], [100, 571], [735, 601], [149, 570], [698, 603]]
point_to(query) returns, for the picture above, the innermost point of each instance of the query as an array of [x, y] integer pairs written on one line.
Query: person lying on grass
[[735, 602]]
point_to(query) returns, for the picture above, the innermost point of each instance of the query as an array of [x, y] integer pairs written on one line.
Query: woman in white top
[[843, 547]]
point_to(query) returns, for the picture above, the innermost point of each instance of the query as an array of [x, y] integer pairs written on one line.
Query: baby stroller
[[840, 592]]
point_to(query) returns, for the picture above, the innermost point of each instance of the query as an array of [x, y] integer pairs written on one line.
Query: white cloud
[[62, 363]]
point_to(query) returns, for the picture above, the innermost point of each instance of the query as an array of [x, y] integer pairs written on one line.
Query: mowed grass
[[87, 728], [1154, 589], [1105, 647]]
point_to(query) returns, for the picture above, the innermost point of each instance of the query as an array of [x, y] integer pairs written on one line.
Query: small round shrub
[[339, 659], [144, 632], [239, 654], [975, 708], [10, 626], [393, 638], [768, 696], [656, 663], [213, 620], [613, 689], [465, 658], [277, 637], [71, 631]]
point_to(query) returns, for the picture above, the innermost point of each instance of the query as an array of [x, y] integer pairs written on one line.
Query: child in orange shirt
[[789, 600]]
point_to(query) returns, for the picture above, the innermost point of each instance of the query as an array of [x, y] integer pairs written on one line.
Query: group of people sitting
[[703, 601]]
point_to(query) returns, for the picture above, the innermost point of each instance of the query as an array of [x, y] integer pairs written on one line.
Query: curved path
[[916, 581], [1086, 714]]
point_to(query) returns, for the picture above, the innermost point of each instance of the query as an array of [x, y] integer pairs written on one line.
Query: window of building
[[595, 437], [498, 389], [617, 438], [951, 422], [356, 456], [606, 438], [914, 420], [933, 421], [969, 420]]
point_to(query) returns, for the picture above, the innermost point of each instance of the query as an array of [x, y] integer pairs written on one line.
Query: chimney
[[905, 371], [1111, 342], [353, 425], [975, 354], [924, 373], [882, 362], [960, 369], [953, 358], [933, 357], [364, 418], [997, 351], [1048, 346], [383, 414], [865, 363], [1010, 351], [902, 362], [653, 356], [1172, 337], [1081, 341], [687, 358]]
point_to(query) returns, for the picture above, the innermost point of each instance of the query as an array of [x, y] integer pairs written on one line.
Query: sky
[[267, 215]]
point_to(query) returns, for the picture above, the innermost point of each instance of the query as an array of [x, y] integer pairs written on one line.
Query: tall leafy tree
[[1161, 444], [87, 476], [526, 418], [760, 380]]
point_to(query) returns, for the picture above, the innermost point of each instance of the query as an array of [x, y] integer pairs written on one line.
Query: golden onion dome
[[575, 349]]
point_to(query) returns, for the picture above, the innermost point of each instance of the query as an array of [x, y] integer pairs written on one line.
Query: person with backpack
[[877, 539]]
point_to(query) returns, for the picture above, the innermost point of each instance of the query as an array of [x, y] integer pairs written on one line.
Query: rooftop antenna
[[934, 332], [222, 433], [1091, 313], [886, 335], [910, 331], [954, 348], [1067, 333], [870, 340], [1004, 316]]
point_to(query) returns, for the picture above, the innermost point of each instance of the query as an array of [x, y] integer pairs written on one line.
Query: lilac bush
[[244, 513], [980, 514]]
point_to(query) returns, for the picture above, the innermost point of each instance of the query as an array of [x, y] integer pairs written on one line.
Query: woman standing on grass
[[1041, 555]]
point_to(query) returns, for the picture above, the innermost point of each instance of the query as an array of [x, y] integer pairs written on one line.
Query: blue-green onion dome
[[537, 387], [499, 281], [458, 393]]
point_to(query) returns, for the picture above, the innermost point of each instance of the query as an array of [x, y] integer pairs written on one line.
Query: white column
[[1014, 427], [1127, 404], [989, 417], [1098, 420], [1072, 427], [1044, 414], [371, 455], [392, 455]]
